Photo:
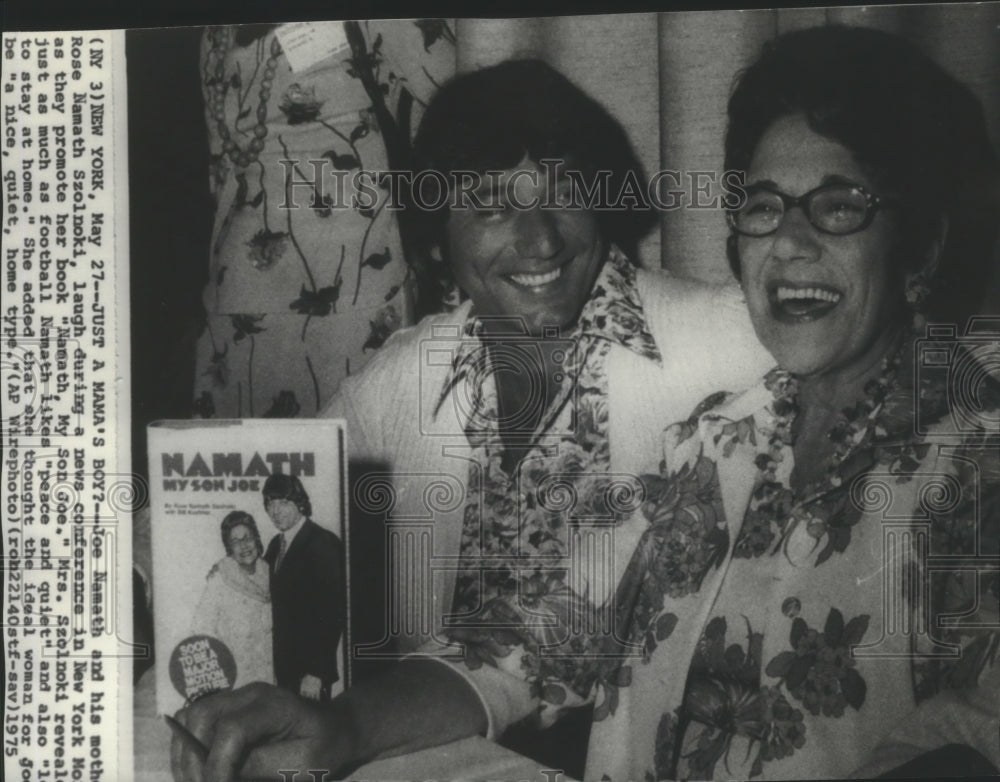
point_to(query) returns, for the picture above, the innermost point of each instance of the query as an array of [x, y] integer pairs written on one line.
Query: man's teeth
[[534, 280], [785, 293]]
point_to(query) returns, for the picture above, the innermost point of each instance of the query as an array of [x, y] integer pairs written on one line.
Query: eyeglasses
[[837, 209]]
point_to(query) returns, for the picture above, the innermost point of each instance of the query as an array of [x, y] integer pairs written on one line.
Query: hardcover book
[[249, 552]]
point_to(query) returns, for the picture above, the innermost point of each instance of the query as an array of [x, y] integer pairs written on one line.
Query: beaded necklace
[[857, 424], [823, 505], [222, 39]]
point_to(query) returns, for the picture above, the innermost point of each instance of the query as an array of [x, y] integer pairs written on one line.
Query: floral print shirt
[[763, 632], [518, 528]]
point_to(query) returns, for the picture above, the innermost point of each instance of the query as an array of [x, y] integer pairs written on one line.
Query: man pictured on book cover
[[306, 563]]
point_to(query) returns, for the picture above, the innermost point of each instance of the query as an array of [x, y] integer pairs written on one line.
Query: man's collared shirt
[[517, 533]]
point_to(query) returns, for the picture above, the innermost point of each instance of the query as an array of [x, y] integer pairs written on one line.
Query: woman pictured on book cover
[[235, 606]]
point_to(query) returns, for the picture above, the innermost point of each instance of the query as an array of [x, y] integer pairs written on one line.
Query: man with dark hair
[[308, 598], [553, 380]]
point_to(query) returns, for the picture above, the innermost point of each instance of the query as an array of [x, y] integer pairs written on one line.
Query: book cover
[[249, 556]]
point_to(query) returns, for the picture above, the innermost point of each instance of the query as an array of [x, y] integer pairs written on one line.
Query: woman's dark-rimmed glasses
[[837, 209]]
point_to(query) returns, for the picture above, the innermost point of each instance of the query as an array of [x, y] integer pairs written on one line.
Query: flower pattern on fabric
[[820, 672], [825, 509], [687, 520], [686, 538], [725, 697], [517, 524], [784, 729], [266, 248], [798, 576], [299, 104], [323, 270]]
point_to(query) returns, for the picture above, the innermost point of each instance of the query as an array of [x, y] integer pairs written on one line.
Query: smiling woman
[[914, 134], [809, 636], [821, 302], [235, 606]]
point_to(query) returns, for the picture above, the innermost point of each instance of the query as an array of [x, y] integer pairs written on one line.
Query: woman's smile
[[802, 302], [819, 302]]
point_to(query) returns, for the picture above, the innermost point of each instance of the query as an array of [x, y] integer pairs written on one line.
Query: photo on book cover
[[249, 557]]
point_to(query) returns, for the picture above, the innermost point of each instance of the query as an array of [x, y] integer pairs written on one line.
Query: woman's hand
[[256, 731]]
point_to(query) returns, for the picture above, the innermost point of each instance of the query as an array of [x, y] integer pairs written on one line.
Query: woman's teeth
[[534, 280], [784, 294]]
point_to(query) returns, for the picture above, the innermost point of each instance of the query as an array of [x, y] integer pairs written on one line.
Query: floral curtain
[[306, 272]]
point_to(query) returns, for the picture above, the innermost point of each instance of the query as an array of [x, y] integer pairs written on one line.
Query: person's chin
[[807, 362], [558, 319], [541, 313], [802, 349]]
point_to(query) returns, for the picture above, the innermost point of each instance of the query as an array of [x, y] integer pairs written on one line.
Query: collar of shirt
[[890, 437], [613, 313]]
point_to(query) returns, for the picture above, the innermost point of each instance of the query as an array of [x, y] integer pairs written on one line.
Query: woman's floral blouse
[[760, 632], [298, 298]]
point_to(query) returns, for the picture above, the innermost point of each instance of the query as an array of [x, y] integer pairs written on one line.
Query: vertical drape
[[698, 54], [667, 77]]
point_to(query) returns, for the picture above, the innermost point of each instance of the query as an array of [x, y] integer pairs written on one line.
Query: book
[[249, 540]]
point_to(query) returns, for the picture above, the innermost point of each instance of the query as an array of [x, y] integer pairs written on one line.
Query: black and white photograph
[[248, 546], [576, 396]]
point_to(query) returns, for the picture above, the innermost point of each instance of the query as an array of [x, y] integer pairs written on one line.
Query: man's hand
[[311, 687], [256, 731], [259, 730]]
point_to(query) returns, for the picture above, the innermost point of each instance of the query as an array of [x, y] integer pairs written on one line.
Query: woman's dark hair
[[287, 487], [917, 131], [238, 518], [489, 120]]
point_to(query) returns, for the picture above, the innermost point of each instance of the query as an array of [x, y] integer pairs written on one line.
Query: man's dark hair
[[491, 119], [287, 487], [918, 132]]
